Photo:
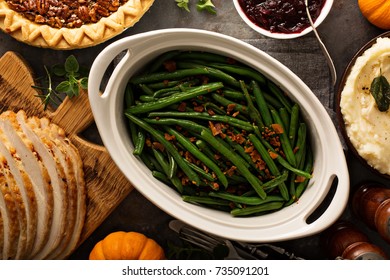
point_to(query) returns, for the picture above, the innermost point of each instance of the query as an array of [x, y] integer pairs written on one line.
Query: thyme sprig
[[72, 78]]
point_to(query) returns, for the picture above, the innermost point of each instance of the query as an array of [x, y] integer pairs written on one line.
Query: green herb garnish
[[206, 5], [380, 90], [202, 5], [72, 79]]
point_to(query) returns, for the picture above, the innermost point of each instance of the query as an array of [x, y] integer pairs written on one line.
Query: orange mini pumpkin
[[122, 245], [376, 11]]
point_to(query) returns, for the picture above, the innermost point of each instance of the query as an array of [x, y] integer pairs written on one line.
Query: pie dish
[[69, 24]]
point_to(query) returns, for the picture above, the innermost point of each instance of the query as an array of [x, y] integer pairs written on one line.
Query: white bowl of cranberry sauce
[[282, 19]]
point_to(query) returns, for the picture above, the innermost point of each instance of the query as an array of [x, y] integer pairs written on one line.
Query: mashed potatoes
[[368, 129]]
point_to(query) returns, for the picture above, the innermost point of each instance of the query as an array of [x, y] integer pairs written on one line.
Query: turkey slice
[[1, 234], [39, 176], [9, 213], [43, 135], [20, 207], [58, 135], [57, 180]]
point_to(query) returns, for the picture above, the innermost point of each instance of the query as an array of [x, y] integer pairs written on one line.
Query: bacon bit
[[261, 165], [158, 146], [166, 82], [169, 137], [148, 143], [239, 138], [255, 156], [231, 170], [205, 80], [215, 186], [277, 128], [249, 149], [273, 155], [217, 157], [192, 139], [275, 141], [216, 129], [199, 108], [299, 179], [235, 114], [210, 112], [184, 181], [230, 108], [296, 149], [182, 107], [170, 65]]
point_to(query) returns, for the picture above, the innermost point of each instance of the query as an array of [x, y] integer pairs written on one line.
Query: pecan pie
[[69, 24]]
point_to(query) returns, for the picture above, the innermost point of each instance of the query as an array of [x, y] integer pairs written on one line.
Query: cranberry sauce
[[281, 16]]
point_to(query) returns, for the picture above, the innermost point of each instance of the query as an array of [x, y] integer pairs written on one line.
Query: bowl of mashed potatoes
[[364, 98]]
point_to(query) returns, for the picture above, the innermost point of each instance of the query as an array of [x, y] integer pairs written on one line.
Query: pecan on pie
[[69, 24]]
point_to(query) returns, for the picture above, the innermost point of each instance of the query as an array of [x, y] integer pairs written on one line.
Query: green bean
[[161, 177], [225, 102], [284, 140], [147, 98], [252, 111], [235, 159], [166, 76], [294, 120], [271, 184], [179, 87], [283, 162], [258, 209], [193, 177], [279, 95], [241, 70], [166, 168], [261, 103], [200, 171], [308, 168], [193, 126], [199, 155], [145, 89], [205, 200], [166, 101], [247, 200], [211, 72], [139, 143], [163, 85], [172, 167], [269, 161], [159, 61], [301, 142], [205, 116], [208, 57], [285, 118]]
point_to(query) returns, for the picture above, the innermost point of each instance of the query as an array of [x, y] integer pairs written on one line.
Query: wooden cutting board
[[106, 185]]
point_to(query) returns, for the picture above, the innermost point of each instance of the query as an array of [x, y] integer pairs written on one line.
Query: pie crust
[[41, 35]]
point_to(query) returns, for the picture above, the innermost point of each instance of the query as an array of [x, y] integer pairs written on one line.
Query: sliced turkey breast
[[20, 208], [42, 189], [23, 150], [25, 193], [1, 235], [58, 136], [42, 137], [9, 213]]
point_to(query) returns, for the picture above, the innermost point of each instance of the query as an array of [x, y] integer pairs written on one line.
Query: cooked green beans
[[219, 132]]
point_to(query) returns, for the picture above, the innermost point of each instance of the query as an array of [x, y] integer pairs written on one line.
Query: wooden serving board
[[106, 185]]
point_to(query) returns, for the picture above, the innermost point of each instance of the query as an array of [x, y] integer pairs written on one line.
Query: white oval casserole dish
[[288, 223]]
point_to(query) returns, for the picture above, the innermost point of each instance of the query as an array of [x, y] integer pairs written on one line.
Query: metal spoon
[[323, 48]]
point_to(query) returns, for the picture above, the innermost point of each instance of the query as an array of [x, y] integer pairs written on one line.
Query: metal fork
[[322, 45], [205, 241]]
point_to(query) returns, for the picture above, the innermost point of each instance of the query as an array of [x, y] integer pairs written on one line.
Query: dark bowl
[[340, 117]]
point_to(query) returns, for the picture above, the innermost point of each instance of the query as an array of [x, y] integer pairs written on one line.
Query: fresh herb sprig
[[380, 90], [72, 77], [202, 5]]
